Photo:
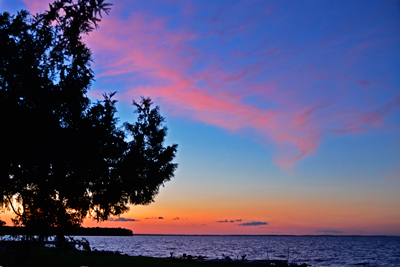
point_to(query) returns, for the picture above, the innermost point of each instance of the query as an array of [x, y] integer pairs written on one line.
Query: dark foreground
[[79, 231], [42, 256]]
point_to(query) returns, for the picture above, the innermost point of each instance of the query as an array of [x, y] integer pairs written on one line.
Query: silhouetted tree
[[62, 158]]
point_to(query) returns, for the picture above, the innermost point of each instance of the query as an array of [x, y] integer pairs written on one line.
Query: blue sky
[[285, 112]]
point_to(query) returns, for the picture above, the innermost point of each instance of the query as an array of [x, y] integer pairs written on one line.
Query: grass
[[43, 257]]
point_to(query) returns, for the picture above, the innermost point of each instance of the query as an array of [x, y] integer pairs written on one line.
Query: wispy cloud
[[122, 219], [220, 96], [179, 219], [229, 221], [253, 224], [154, 218], [288, 95]]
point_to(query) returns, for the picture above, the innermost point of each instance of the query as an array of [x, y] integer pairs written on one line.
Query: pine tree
[[61, 157]]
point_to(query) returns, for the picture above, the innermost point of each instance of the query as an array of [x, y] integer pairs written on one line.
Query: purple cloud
[[253, 224], [122, 219], [229, 221], [154, 218]]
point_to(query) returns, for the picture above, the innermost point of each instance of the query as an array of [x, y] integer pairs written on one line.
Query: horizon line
[[324, 235]]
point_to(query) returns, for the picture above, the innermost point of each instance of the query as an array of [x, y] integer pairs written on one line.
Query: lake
[[312, 250]]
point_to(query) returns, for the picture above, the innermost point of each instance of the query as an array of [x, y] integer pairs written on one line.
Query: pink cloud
[[154, 60], [145, 47]]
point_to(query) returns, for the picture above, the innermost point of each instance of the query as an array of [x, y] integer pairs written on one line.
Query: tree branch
[[12, 206]]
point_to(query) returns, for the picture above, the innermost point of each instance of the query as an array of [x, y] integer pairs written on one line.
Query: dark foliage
[[81, 231], [62, 158]]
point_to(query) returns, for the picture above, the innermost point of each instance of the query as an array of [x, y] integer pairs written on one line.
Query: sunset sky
[[286, 113]]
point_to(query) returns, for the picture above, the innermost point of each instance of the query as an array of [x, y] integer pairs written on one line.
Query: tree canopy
[[63, 158]]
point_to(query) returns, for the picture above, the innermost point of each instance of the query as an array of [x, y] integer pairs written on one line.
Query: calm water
[[313, 250]]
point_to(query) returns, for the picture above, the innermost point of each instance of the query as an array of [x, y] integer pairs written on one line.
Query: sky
[[286, 113]]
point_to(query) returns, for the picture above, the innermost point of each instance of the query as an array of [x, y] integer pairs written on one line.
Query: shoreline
[[41, 256]]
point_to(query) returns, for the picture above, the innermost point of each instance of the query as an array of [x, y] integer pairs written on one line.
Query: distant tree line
[[82, 231]]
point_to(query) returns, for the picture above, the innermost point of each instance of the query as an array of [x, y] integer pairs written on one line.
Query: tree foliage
[[61, 157]]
